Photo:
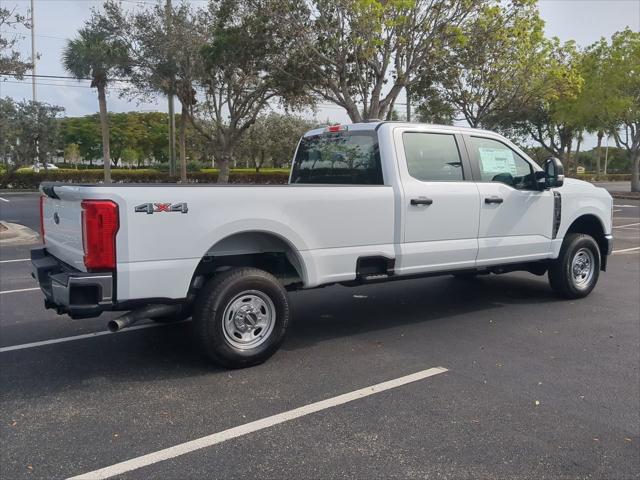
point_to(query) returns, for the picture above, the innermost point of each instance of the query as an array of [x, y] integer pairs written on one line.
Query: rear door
[[516, 220], [440, 210]]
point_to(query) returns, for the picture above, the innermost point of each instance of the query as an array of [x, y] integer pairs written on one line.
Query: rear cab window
[[432, 157], [340, 158]]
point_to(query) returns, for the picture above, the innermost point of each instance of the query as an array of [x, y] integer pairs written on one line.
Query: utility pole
[[172, 116], [33, 79], [606, 155], [33, 52]]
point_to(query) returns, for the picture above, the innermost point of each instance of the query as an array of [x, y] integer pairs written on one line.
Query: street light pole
[[33, 52]]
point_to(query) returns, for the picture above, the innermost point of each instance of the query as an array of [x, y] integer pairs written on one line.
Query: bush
[[194, 166], [31, 179], [249, 170], [610, 177]]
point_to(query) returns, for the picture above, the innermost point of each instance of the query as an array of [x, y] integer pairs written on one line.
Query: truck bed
[[161, 246]]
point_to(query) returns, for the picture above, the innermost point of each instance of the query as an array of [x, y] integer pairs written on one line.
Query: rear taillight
[[99, 227], [42, 200]]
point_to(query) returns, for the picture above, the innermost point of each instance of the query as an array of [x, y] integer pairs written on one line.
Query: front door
[[516, 220], [440, 209]]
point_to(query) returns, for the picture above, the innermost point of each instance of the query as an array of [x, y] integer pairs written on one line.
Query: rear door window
[[344, 158], [432, 157]]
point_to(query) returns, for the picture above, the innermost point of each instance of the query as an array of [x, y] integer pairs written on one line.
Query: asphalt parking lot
[[530, 386]]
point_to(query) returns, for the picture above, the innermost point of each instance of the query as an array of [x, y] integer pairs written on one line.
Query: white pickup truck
[[368, 202]]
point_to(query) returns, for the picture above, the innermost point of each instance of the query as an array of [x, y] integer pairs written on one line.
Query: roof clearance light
[[336, 128]]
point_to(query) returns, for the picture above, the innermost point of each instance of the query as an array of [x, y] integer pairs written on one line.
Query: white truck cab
[[368, 202]]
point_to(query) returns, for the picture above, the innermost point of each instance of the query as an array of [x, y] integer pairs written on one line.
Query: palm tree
[[97, 56]]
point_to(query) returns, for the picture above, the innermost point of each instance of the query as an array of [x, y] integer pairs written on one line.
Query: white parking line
[[20, 290], [17, 260], [625, 206], [633, 249], [210, 440], [4, 200], [628, 225], [80, 337]]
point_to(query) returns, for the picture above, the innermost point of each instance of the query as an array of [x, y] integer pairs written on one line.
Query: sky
[[584, 21]]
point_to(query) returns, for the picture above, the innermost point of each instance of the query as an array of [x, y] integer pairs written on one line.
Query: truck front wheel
[[240, 317], [575, 272]]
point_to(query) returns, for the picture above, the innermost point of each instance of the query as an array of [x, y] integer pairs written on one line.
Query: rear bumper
[[79, 294]]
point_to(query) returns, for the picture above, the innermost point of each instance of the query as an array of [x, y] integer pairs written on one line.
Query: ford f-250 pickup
[[367, 202]]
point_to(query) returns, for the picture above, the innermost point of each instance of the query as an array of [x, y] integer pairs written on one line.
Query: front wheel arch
[[590, 224]]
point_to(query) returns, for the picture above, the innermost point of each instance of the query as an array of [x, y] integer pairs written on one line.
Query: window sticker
[[497, 160]]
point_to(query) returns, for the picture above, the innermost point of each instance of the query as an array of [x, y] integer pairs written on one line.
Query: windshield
[[345, 158]]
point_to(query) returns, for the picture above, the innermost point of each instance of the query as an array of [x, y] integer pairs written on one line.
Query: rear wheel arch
[[267, 251]]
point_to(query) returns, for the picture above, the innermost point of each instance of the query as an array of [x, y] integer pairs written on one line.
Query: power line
[[25, 35], [47, 76], [126, 80]]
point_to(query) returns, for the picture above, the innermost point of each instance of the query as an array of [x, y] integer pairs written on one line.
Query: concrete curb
[[16, 234], [625, 195]]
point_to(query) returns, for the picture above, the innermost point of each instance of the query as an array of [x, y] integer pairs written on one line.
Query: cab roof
[[376, 124]]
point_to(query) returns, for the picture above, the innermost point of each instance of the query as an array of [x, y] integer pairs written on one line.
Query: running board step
[[374, 278]]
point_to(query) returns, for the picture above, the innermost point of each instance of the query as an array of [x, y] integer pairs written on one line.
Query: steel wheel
[[248, 319], [582, 268]]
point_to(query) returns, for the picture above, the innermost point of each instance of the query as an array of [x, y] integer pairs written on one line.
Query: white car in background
[[36, 167]]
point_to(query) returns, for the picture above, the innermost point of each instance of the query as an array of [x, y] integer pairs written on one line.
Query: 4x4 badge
[[150, 208]]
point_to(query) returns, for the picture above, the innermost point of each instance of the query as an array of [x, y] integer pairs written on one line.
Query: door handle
[[421, 201], [493, 200]]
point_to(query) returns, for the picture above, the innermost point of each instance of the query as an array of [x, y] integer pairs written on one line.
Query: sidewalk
[[14, 234]]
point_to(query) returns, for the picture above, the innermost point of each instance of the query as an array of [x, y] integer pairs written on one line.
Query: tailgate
[[62, 222]]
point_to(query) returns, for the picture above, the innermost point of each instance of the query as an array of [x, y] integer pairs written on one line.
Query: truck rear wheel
[[241, 316], [575, 272]]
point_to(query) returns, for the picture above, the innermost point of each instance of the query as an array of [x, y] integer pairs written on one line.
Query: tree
[[29, 131], [361, 54], [272, 138], [552, 118], [622, 64], [7, 128], [145, 133], [11, 62], [99, 56], [72, 154], [434, 108], [165, 43], [85, 133], [244, 60], [496, 68], [596, 98]]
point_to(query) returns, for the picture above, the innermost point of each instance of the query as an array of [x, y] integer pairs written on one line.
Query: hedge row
[[31, 180], [610, 177]]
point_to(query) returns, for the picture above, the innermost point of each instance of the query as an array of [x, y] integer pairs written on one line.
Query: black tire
[[563, 278], [183, 314], [221, 294]]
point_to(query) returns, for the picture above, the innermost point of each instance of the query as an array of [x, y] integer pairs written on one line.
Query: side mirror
[[553, 172]]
